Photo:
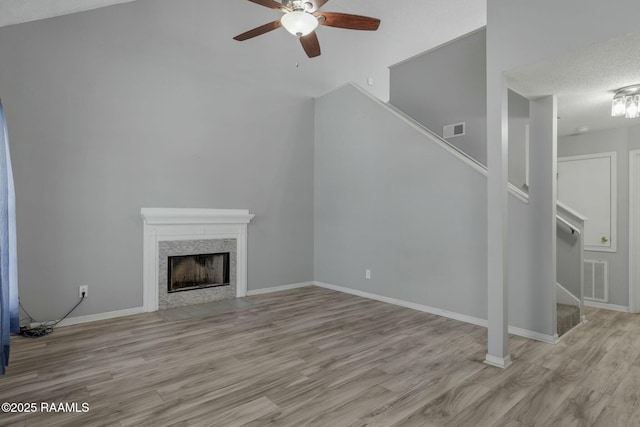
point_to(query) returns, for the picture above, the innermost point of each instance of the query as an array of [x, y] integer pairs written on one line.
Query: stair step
[[568, 317]]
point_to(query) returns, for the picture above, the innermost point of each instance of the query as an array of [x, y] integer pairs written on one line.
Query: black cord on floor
[[45, 328], [25, 311]]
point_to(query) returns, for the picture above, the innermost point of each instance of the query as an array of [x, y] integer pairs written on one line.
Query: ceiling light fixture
[[626, 102], [299, 23], [301, 18]]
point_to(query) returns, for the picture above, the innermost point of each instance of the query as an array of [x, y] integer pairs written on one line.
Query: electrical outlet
[[83, 289], [367, 274]]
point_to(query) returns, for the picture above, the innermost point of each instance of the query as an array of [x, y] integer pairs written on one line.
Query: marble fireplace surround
[[171, 224]]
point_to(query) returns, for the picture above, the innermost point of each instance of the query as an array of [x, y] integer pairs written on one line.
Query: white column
[[497, 226], [543, 197]]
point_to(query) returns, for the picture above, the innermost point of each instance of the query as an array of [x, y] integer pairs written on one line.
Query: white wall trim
[[518, 193], [460, 155], [138, 310], [419, 307], [456, 152], [527, 145], [605, 306], [440, 46], [101, 316], [498, 362], [563, 296], [566, 211], [412, 305], [437, 311], [169, 224], [180, 216], [533, 335], [634, 231], [279, 288]]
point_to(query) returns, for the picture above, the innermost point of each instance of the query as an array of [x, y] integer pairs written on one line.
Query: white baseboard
[[389, 300], [137, 310], [101, 316], [438, 312], [498, 362], [606, 306], [525, 333], [401, 303], [279, 288]]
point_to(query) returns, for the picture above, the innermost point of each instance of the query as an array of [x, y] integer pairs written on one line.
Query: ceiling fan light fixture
[[299, 23], [626, 102], [301, 19], [619, 106], [633, 107]]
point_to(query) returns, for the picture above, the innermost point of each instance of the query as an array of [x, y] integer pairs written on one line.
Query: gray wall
[[389, 199], [531, 273], [444, 86], [620, 141], [518, 121], [122, 108], [634, 138], [447, 85]]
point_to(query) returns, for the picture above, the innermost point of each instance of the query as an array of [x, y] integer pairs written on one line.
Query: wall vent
[[596, 280], [451, 131]]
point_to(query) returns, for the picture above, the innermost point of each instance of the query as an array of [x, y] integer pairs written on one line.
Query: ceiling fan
[[301, 18]]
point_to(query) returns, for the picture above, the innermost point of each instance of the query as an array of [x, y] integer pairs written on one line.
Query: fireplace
[[191, 272], [180, 232], [207, 269]]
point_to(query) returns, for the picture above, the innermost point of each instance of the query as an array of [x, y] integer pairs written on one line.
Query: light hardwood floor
[[317, 357]]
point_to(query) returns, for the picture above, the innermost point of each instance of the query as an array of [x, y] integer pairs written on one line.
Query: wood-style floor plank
[[321, 358], [581, 408]]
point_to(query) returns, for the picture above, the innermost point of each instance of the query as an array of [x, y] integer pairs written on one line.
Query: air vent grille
[[454, 130], [596, 280]]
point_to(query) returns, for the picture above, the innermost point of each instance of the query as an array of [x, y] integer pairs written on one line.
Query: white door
[[587, 184]]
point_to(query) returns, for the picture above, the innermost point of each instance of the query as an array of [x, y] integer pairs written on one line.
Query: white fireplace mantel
[[162, 224]]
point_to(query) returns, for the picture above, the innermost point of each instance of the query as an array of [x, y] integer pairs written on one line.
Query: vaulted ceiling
[[19, 11], [408, 28], [582, 80]]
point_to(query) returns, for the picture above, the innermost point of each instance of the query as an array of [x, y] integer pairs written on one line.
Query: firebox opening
[[189, 272]]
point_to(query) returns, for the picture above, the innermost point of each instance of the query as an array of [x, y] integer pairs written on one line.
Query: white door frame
[[634, 231]]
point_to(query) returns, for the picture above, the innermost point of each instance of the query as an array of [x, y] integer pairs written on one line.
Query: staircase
[[568, 317], [377, 169], [569, 275]]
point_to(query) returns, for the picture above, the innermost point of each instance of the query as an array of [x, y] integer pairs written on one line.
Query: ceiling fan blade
[[350, 22], [258, 31], [311, 45], [271, 4]]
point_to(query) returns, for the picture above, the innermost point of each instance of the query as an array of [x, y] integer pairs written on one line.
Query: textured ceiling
[[584, 82], [18, 11]]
